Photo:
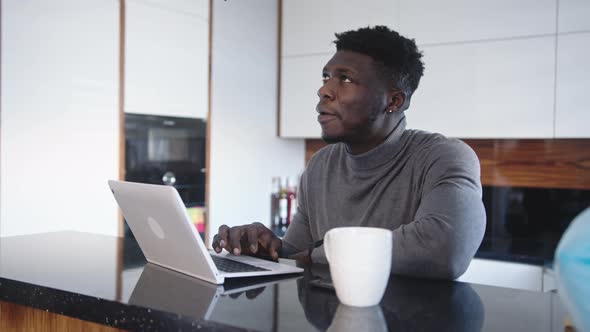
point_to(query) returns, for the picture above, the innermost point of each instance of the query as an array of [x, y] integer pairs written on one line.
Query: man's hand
[[253, 239]]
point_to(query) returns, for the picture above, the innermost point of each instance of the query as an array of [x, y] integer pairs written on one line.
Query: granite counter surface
[[106, 280]]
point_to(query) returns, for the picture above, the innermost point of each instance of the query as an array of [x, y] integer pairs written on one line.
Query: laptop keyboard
[[229, 265]]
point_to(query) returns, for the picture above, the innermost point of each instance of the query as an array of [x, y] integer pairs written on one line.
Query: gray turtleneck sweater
[[424, 187]]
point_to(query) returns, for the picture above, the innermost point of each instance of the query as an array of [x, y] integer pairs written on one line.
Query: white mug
[[360, 263]]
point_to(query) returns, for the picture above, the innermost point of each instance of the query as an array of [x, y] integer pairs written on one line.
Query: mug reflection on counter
[[355, 319], [408, 305]]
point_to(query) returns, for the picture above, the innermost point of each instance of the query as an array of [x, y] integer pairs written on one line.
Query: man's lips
[[325, 116]]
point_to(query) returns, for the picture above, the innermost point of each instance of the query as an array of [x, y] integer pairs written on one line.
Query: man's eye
[[345, 79], [325, 77]]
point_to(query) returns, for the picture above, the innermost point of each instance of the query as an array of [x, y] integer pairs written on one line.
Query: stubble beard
[[373, 117], [330, 139]]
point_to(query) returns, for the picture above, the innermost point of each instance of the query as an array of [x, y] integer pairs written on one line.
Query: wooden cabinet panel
[[551, 163], [14, 317], [530, 163]]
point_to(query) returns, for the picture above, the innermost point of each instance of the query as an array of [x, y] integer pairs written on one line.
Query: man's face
[[352, 98]]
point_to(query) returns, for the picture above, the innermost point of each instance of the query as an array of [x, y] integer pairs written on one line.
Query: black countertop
[[106, 280]]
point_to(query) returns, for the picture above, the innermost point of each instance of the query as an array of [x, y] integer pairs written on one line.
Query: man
[[423, 186]]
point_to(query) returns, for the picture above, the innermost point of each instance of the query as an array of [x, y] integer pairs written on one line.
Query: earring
[[390, 111]]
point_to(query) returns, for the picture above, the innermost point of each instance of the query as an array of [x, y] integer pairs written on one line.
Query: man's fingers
[[252, 232], [264, 239], [270, 242], [223, 233], [235, 235], [275, 246], [247, 239], [215, 244]]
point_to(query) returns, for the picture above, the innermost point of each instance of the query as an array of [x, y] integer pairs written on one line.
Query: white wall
[[59, 116], [245, 152]]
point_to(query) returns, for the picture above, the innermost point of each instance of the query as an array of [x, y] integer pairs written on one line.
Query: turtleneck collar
[[380, 154]]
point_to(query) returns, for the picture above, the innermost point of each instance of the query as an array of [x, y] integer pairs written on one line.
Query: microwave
[[167, 150]]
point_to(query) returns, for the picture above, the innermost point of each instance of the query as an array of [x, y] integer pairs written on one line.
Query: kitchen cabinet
[[510, 274], [436, 22], [490, 66], [572, 113], [499, 89], [504, 274], [167, 57], [309, 25], [549, 281], [573, 16]]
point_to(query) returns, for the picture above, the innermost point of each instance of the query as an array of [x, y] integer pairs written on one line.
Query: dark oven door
[[167, 150]]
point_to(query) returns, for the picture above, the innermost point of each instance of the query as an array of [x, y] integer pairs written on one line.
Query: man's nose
[[325, 91]]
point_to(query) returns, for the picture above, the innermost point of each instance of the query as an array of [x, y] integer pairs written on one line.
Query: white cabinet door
[[60, 116], [549, 282], [504, 274], [572, 114], [166, 58], [574, 15], [493, 89], [433, 21], [490, 66], [308, 26], [301, 77]]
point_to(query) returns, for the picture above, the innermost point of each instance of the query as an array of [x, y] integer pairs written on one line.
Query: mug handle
[[327, 245]]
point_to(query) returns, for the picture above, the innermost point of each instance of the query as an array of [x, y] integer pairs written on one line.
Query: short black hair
[[397, 58]]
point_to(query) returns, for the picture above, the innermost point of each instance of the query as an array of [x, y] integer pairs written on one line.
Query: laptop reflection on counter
[[163, 289]]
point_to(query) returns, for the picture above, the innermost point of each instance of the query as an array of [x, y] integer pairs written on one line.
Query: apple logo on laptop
[[156, 228]]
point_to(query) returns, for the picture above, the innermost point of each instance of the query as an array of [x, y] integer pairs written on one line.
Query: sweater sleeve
[[450, 221]]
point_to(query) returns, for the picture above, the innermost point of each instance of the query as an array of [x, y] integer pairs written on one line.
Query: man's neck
[[374, 141]]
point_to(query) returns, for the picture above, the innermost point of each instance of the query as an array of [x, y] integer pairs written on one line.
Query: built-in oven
[[170, 151]]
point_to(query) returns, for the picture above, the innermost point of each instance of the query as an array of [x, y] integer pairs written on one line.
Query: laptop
[[166, 290], [167, 237]]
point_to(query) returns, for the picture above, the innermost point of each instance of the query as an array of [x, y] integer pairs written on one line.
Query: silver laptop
[[167, 237]]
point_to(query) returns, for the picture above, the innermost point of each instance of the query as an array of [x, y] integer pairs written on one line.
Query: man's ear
[[398, 101]]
